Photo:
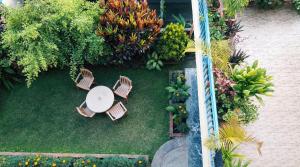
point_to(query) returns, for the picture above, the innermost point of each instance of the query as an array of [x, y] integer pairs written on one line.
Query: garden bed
[[173, 127]]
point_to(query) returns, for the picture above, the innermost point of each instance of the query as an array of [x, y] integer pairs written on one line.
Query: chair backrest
[[86, 73], [126, 81]]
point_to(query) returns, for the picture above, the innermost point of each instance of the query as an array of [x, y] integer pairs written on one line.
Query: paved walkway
[[273, 37]]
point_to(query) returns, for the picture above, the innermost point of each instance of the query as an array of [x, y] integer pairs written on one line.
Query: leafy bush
[[178, 91], [50, 33], [172, 43], [220, 52], [237, 58], [178, 94], [251, 81], [117, 162], [129, 27], [268, 4], [224, 92], [296, 4], [154, 63], [232, 7], [42, 161], [31, 161], [233, 27], [217, 26]]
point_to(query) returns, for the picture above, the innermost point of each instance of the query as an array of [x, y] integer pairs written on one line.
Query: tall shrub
[[129, 27], [173, 42], [50, 33]]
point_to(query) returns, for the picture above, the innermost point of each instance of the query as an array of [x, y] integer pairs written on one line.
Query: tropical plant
[[246, 111], [296, 4], [179, 116], [181, 20], [172, 43], [217, 26], [231, 136], [8, 75], [52, 33], [237, 58], [233, 27], [178, 92], [252, 81], [269, 4], [154, 63], [224, 92], [129, 27], [232, 7], [220, 52]]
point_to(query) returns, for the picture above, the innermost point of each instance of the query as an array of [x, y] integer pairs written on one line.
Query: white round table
[[100, 99]]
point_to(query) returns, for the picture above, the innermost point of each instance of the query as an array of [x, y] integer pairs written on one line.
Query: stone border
[[74, 155]]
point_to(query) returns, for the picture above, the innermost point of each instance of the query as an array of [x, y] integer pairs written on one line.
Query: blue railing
[[208, 78]]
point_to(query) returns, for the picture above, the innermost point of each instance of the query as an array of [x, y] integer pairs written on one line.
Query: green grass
[[42, 118]]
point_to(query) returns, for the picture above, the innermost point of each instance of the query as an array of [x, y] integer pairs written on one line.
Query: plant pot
[[172, 133]]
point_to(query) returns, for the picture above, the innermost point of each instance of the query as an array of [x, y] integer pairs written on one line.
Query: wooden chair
[[123, 87], [87, 79], [84, 110], [117, 111]]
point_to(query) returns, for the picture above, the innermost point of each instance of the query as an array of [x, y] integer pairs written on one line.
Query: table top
[[100, 99]]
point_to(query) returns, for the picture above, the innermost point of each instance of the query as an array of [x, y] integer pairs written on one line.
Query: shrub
[[220, 52], [233, 27], [237, 58], [50, 33], [129, 27], [178, 94], [172, 43], [296, 4], [268, 4], [217, 26], [251, 81], [117, 162], [232, 7], [154, 63], [224, 92]]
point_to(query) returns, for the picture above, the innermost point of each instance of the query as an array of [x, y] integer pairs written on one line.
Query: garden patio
[[43, 118]]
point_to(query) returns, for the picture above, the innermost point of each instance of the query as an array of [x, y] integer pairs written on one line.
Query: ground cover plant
[[43, 161], [42, 118]]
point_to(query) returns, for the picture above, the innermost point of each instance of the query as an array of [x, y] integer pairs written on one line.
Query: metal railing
[[206, 91]]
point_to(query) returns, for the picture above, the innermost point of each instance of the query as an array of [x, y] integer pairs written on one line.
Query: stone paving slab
[[273, 37]]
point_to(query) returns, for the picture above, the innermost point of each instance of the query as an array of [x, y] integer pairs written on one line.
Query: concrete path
[[273, 37], [171, 154]]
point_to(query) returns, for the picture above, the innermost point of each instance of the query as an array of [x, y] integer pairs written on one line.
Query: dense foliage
[[251, 81], [129, 27], [232, 7], [269, 4], [220, 52], [41, 161], [178, 94], [172, 43], [296, 4], [224, 92], [237, 58], [217, 26], [53, 33]]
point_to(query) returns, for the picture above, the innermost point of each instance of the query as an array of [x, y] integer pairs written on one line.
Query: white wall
[[12, 3]]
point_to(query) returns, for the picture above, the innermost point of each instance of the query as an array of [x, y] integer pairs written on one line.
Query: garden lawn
[[42, 118]]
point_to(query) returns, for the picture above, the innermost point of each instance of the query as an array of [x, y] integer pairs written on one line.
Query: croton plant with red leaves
[[224, 92], [129, 27]]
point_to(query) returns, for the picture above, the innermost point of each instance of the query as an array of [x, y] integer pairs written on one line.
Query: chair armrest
[[83, 103], [114, 88], [122, 105], [76, 80]]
